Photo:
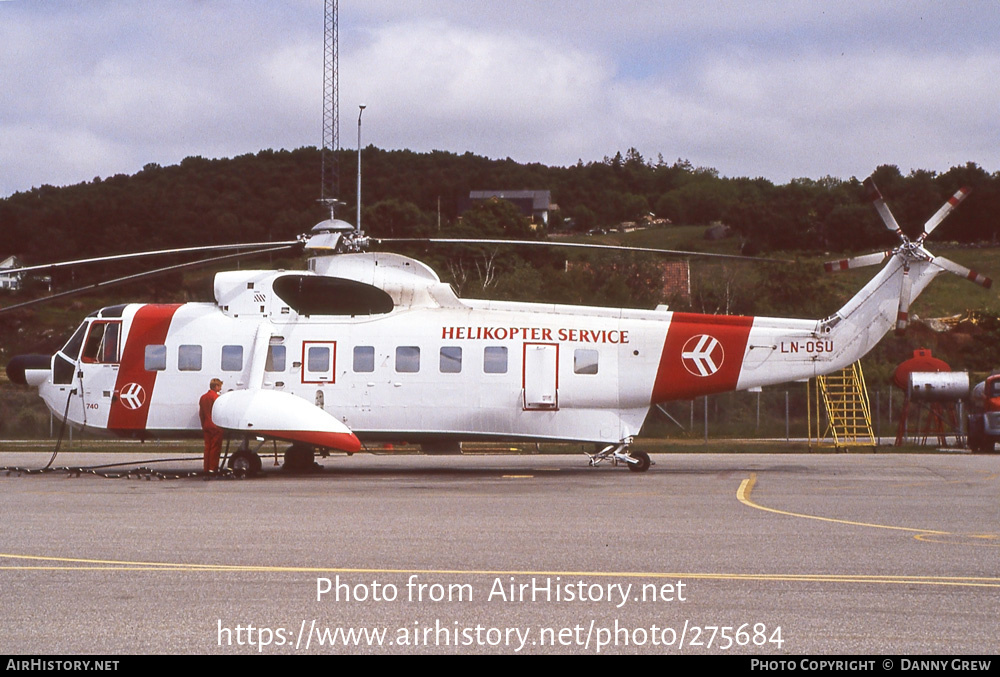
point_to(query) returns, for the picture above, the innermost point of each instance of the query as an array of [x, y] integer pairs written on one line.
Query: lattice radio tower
[[330, 180]]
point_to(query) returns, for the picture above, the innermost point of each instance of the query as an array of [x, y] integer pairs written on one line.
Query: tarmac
[[749, 553]]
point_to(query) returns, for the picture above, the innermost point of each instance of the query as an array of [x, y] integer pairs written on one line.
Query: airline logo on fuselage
[[132, 396], [702, 355]]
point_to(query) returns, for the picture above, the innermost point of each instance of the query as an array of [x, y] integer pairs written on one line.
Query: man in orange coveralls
[[213, 433]]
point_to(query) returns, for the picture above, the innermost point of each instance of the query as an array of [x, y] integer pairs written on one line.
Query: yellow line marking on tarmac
[[990, 539], [83, 564], [747, 485]]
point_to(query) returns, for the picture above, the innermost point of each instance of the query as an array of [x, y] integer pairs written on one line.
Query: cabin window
[[318, 359], [364, 359], [189, 358], [495, 360], [585, 362], [451, 360], [102, 343], [232, 358], [156, 358], [407, 359], [275, 358]]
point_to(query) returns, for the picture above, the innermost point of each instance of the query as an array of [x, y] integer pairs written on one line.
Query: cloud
[[779, 89], [846, 115], [453, 87]]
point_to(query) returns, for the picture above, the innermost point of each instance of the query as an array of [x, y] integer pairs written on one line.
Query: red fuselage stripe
[[702, 354], [149, 327]]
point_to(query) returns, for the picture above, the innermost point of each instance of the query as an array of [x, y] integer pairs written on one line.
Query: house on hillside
[[533, 204], [10, 281]]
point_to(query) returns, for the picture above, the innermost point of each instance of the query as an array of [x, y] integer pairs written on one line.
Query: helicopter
[[367, 346]]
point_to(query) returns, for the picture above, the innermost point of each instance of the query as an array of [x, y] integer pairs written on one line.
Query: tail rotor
[[909, 252]]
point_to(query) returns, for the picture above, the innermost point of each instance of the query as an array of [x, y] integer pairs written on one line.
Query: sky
[[779, 89]]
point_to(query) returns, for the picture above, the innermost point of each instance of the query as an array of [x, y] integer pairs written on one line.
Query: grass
[[686, 238]]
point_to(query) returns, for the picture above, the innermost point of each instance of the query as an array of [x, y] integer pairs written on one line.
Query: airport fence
[[778, 412], [782, 412]]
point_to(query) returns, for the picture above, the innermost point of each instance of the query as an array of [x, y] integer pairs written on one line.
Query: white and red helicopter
[[373, 346]]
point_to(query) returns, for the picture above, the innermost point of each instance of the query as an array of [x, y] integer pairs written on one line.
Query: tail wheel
[[642, 461], [245, 463]]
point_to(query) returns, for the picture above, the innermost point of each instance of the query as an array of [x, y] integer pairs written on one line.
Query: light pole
[[358, 221]]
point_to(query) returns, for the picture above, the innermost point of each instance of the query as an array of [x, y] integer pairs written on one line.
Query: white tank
[[938, 386]]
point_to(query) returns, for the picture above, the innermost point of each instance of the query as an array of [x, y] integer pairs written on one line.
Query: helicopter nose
[[29, 369]]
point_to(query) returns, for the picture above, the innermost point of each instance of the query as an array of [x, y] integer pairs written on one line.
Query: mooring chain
[[140, 473]]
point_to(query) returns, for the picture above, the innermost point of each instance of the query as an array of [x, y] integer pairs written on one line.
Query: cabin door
[[541, 376], [319, 361]]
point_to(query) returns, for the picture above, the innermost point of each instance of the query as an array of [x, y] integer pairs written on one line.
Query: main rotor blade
[[946, 209], [579, 245], [138, 276], [962, 271], [157, 252], [856, 262], [888, 219], [903, 313]]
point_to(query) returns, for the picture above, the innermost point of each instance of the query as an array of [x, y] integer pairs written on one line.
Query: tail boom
[[782, 350], [705, 354]]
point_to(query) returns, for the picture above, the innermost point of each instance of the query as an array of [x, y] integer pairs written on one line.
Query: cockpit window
[[102, 343], [72, 347]]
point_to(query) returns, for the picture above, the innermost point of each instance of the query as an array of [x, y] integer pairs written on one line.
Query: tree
[[395, 218], [496, 218]]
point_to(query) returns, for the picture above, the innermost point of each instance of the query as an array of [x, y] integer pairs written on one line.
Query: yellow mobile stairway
[[848, 420]]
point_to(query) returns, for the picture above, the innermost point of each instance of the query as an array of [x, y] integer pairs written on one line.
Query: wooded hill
[[272, 196]]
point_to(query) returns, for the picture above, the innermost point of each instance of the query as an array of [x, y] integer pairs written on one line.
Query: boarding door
[[98, 370], [541, 376], [319, 361]]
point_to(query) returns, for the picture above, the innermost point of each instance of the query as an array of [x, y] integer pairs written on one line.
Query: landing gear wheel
[[643, 461], [245, 463], [299, 458]]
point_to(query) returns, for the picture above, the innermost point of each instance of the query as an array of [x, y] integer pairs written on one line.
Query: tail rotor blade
[[946, 209], [888, 219], [962, 271], [903, 314], [856, 262]]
